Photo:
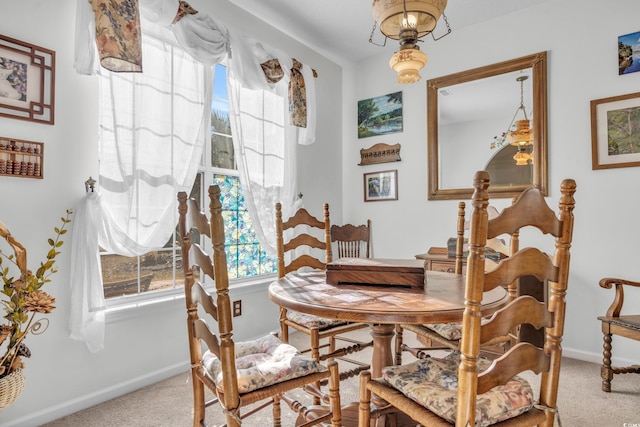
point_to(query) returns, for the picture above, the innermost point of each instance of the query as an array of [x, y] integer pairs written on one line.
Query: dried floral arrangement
[[23, 298]]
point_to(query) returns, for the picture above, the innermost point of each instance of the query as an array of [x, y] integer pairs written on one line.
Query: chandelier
[[407, 21], [522, 135]]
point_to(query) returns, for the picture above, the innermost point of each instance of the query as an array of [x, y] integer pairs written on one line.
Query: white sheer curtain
[[138, 197], [264, 140], [152, 128]]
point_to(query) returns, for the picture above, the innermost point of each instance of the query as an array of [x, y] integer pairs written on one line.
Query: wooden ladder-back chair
[[447, 335], [352, 241], [463, 388], [256, 372], [299, 231], [616, 323]]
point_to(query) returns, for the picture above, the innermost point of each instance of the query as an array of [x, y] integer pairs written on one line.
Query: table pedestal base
[[350, 418], [382, 335]]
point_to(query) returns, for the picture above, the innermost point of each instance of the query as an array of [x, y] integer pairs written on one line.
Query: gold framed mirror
[[468, 115]]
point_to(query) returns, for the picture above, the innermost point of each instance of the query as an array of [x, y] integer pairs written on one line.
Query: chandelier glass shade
[[421, 14], [407, 63]]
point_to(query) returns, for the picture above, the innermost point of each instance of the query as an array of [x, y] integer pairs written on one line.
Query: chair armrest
[[608, 281], [616, 305]]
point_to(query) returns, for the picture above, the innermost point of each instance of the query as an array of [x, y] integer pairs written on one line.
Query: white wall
[[62, 376], [581, 41]]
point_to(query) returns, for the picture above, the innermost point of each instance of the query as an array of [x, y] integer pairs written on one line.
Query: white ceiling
[[340, 29]]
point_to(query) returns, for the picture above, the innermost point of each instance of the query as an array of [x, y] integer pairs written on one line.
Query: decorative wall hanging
[[629, 53], [381, 115], [21, 158], [380, 186], [24, 302], [380, 153], [615, 131], [27, 76]]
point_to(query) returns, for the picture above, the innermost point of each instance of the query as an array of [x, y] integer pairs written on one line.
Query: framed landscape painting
[[381, 115], [615, 131]]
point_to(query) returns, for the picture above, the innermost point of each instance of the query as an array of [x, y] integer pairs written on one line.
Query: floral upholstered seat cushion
[[450, 331], [313, 321], [434, 384], [262, 362]]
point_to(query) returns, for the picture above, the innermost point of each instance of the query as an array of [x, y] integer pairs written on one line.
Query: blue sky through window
[[220, 100]]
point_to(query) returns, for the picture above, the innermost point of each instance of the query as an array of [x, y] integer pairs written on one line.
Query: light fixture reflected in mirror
[[408, 21], [522, 135], [523, 157]]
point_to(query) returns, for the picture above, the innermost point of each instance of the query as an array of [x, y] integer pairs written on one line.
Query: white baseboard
[[582, 355], [52, 413], [595, 357]]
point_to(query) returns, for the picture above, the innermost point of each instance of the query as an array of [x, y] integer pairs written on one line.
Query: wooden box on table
[[377, 271]]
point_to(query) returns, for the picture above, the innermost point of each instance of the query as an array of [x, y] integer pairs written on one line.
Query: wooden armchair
[[253, 374], [614, 323], [296, 238], [462, 388]]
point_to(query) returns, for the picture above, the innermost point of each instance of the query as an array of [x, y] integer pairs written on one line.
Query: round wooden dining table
[[440, 300]]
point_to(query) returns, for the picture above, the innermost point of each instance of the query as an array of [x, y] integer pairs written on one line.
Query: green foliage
[[623, 131], [366, 109], [220, 122], [222, 154]]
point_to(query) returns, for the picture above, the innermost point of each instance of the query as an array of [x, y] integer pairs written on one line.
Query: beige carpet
[[168, 403]]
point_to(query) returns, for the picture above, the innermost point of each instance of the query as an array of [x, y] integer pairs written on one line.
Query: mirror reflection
[[472, 117]]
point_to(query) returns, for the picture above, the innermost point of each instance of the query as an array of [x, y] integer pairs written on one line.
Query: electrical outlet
[[237, 308]]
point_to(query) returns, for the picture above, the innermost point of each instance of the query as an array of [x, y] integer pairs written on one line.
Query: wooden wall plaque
[[380, 153]]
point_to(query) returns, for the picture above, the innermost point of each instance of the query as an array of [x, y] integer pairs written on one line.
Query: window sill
[[131, 307]]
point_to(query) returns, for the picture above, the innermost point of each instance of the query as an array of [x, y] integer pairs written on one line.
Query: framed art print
[[27, 80], [615, 131], [380, 186]]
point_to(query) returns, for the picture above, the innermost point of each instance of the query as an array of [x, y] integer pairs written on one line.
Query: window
[[162, 269], [132, 275], [245, 256]]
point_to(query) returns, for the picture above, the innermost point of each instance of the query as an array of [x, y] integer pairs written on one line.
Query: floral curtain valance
[[118, 35], [297, 90]]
